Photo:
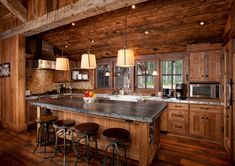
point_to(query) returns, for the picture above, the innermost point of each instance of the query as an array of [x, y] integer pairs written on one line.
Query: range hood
[[43, 54]]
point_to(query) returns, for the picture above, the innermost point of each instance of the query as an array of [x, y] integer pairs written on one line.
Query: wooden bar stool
[[88, 132], [118, 137], [44, 122], [63, 127]]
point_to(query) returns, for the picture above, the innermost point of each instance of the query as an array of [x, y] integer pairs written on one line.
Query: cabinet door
[[197, 66], [178, 121], [61, 76], [196, 123], [213, 125], [213, 67]]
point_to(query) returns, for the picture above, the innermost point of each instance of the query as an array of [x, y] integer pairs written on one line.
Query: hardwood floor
[[16, 150]]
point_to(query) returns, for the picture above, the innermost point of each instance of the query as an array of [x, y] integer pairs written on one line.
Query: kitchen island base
[[144, 136]]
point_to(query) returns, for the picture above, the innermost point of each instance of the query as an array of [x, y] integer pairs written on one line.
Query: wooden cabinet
[[178, 118], [164, 120], [205, 121], [31, 113], [205, 66], [61, 76]]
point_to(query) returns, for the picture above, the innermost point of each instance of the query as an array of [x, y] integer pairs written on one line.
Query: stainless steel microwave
[[205, 90]]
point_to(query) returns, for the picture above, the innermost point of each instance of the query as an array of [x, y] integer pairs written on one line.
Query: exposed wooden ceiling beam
[[77, 11], [16, 8]]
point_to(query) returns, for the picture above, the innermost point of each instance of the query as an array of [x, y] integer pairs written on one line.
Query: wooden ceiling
[[172, 24], [3, 10]]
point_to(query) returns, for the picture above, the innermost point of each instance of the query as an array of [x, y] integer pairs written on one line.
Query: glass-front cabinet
[[103, 73], [122, 78]]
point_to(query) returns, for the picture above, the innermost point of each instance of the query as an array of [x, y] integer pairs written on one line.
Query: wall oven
[[204, 90]]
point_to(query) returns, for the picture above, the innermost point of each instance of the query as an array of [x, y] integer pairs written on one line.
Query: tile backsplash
[[40, 81]]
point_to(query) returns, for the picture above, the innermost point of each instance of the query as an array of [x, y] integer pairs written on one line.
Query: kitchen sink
[[125, 98]]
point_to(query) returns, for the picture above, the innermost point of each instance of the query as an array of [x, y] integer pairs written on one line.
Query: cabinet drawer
[[177, 127], [178, 106], [207, 108], [178, 115]]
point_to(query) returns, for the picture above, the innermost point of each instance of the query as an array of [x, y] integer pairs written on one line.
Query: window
[[172, 73], [103, 76], [122, 78], [144, 77]]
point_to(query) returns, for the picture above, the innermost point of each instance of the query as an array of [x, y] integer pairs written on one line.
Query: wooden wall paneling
[[13, 87]]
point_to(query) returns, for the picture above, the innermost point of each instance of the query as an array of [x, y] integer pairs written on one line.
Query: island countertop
[[140, 111]]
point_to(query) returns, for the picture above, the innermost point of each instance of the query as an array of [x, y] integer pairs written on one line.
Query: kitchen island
[[140, 119]]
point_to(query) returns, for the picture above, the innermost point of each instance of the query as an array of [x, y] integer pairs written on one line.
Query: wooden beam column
[[77, 11]]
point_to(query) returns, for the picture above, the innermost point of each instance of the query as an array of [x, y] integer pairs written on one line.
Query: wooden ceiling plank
[[16, 8], [77, 11]]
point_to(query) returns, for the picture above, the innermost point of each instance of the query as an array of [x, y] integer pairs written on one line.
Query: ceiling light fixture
[[202, 23], [125, 56], [73, 24], [133, 6], [146, 32]]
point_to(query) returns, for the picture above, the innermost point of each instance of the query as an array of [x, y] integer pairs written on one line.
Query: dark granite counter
[[134, 111]]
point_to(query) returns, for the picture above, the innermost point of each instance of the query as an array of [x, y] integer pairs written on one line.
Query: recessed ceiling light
[[93, 41], [202, 23], [66, 46], [73, 24], [146, 32], [133, 6]]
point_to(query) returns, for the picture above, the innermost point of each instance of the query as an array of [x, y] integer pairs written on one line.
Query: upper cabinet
[[205, 65]]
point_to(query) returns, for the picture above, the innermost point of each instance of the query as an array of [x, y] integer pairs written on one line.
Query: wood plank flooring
[[16, 150]]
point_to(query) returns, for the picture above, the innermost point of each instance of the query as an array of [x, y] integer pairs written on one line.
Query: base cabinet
[[205, 121], [178, 118]]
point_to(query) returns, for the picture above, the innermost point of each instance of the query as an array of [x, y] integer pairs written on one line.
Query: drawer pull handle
[[202, 118], [204, 108], [176, 115], [178, 106], [179, 127]]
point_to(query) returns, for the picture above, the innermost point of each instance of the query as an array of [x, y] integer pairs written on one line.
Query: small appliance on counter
[[167, 93], [181, 91]]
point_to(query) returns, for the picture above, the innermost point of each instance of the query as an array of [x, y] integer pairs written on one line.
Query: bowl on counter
[[89, 99]]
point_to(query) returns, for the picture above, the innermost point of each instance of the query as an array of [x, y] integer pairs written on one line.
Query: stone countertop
[[133, 111], [187, 101], [145, 98]]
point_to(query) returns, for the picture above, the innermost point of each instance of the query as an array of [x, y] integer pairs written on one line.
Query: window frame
[[155, 78], [172, 75]]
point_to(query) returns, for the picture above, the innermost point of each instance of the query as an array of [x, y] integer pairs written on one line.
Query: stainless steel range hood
[[43, 54]]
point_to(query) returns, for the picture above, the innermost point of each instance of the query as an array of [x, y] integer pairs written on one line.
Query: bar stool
[[88, 131], [43, 136], [119, 138], [62, 127]]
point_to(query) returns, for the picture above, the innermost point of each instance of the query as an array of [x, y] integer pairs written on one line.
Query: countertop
[[133, 111], [143, 98]]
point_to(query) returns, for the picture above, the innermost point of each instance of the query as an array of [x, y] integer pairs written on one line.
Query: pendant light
[[88, 61], [155, 73], [125, 56], [62, 63]]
